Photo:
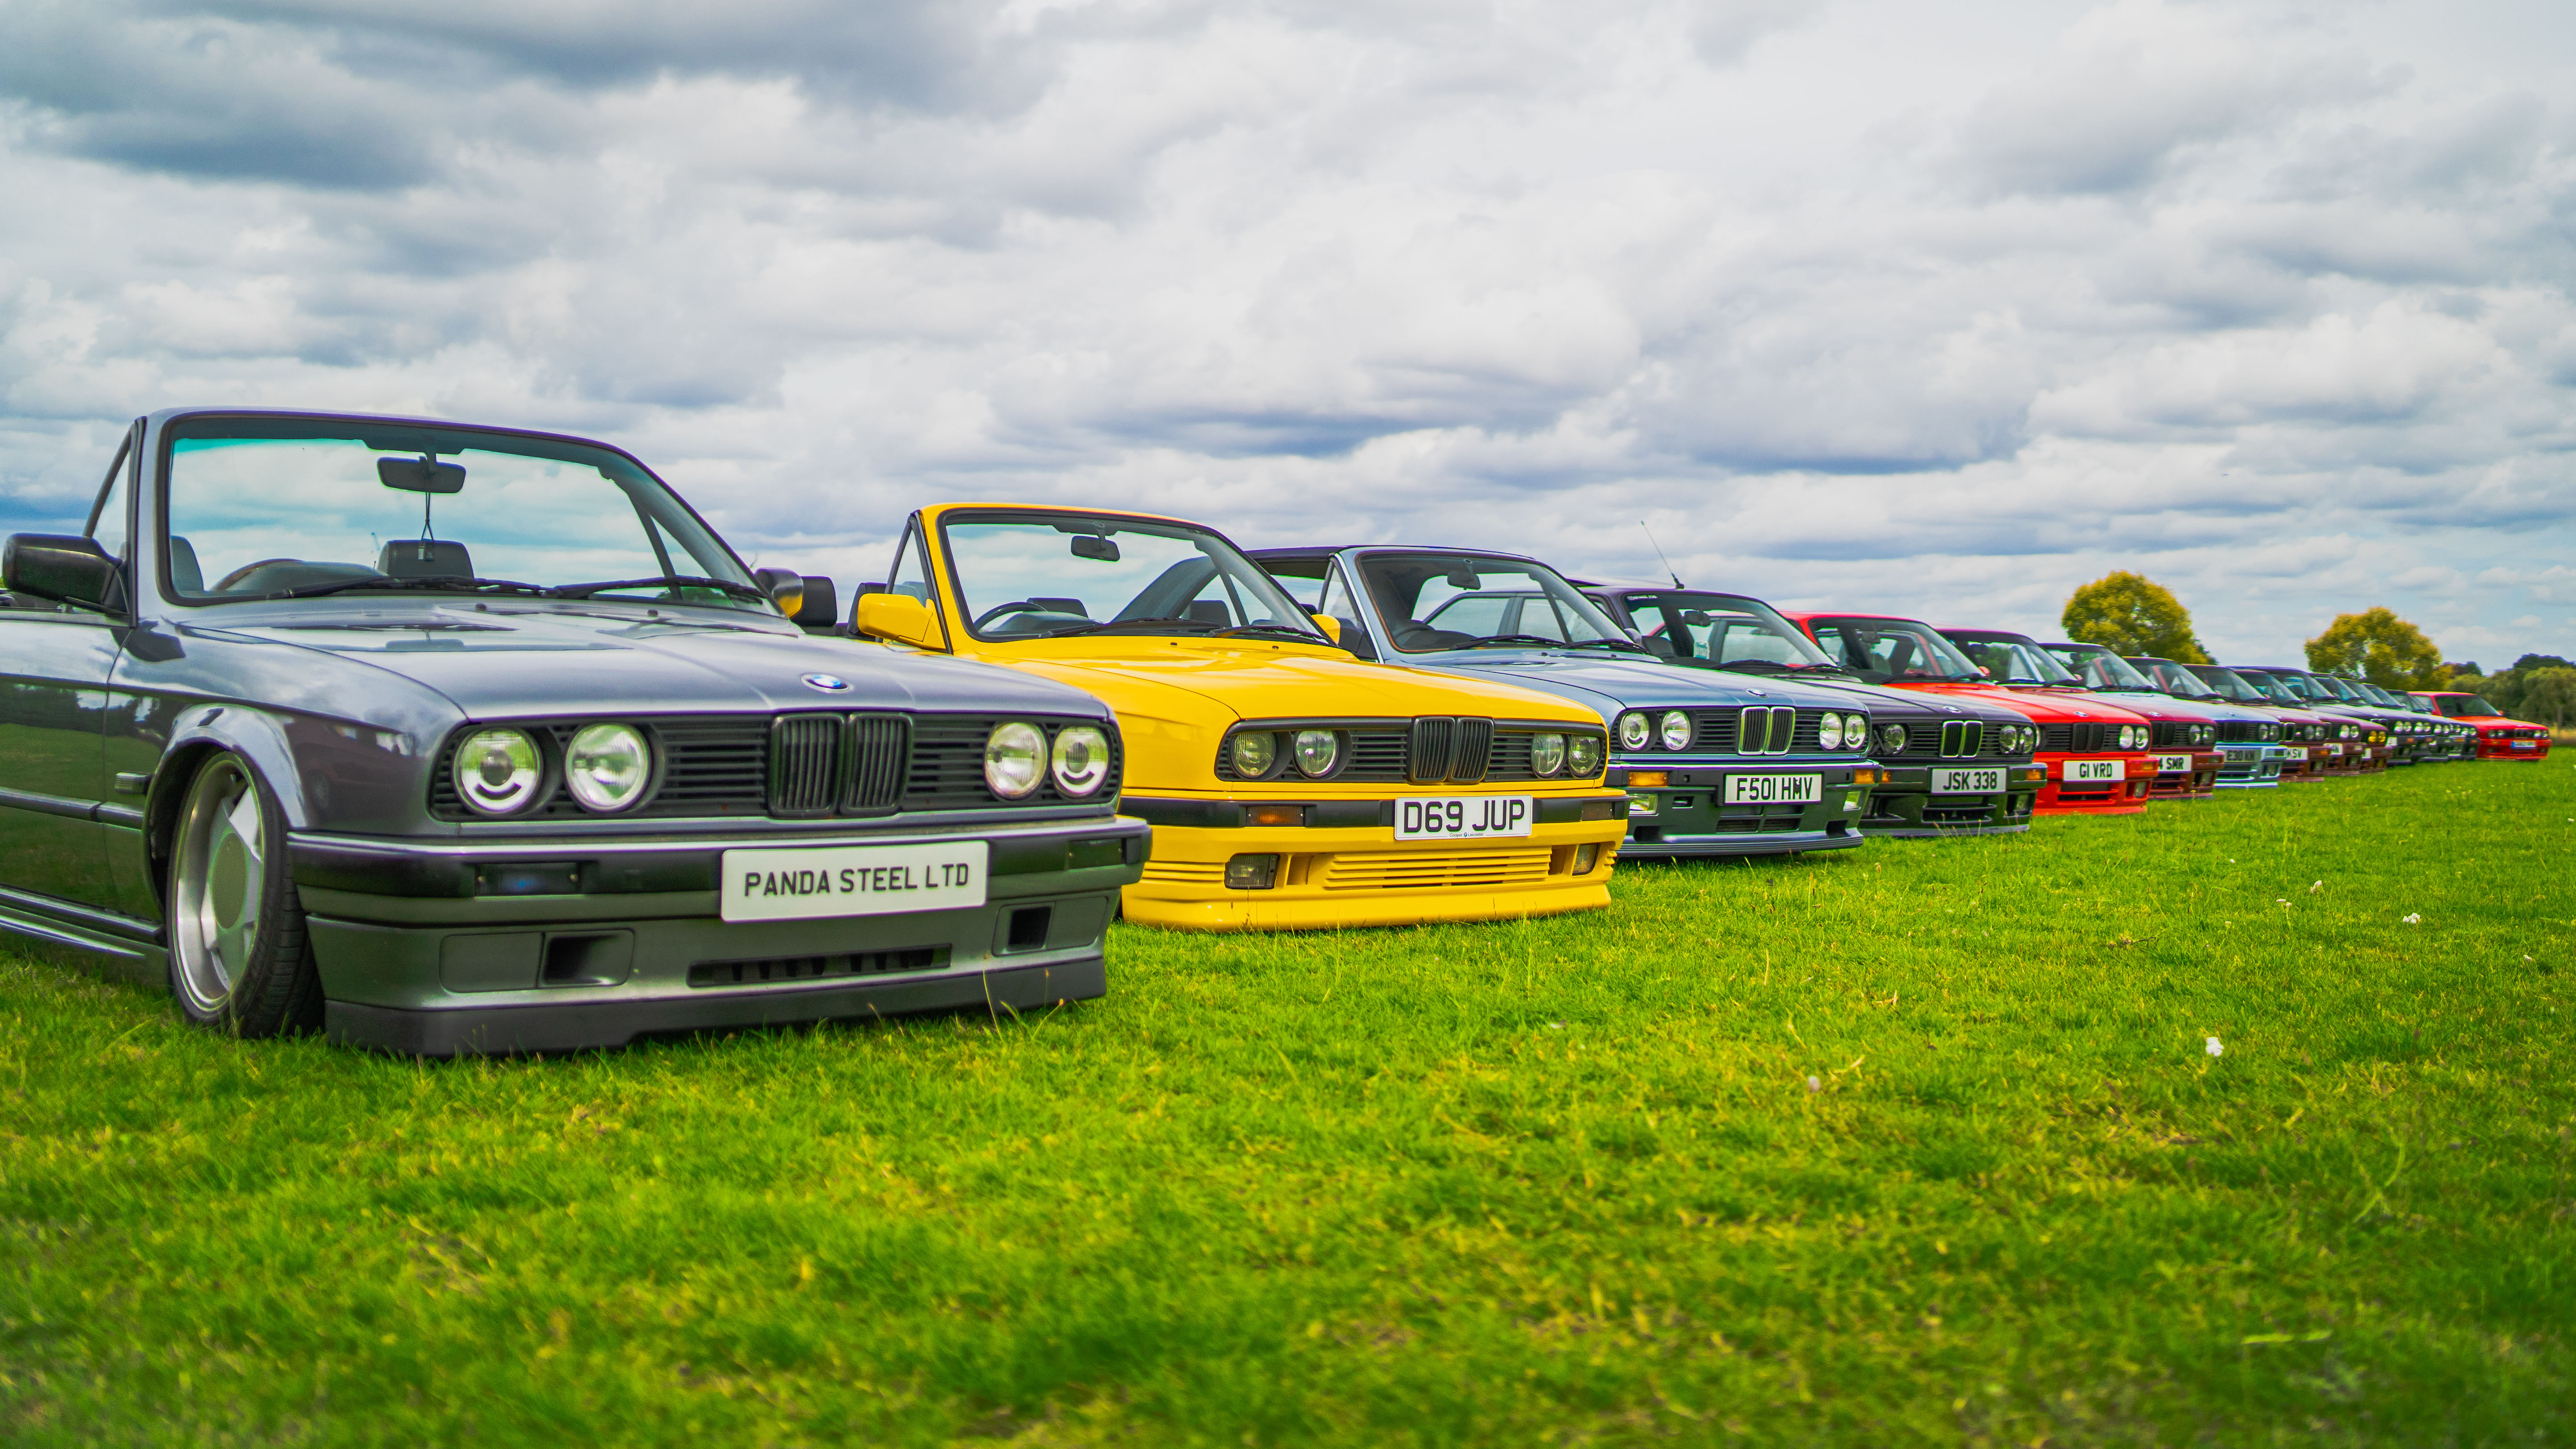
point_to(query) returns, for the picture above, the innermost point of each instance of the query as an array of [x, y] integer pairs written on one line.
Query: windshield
[[1434, 601], [1881, 650], [2271, 686], [1040, 575], [2009, 658], [2459, 705], [2175, 679], [2231, 685], [2299, 686], [1721, 629], [2099, 668], [263, 507], [2330, 687]]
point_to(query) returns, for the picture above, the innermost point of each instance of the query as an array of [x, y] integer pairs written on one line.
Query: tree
[[2378, 646], [2130, 614], [2541, 661], [2548, 693]]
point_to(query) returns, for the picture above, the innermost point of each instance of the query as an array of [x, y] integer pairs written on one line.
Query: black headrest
[[185, 575], [1211, 611], [425, 558]]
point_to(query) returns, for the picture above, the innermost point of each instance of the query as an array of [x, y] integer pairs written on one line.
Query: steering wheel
[[1016, 606]]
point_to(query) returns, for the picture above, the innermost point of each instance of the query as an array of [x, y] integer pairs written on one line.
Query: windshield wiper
[[1289, 631], [1160, 624], [1619, 644], [671, 581], [444, 583], [1511, 639]]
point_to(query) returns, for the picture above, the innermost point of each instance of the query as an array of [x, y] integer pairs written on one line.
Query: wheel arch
[[199, 734]]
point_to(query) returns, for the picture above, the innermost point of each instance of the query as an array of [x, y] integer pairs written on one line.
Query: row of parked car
[[448, 738]]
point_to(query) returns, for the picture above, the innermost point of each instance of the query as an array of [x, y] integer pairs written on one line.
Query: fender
[[253, 734]]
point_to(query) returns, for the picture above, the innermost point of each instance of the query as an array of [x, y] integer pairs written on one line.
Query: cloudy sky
[[1939, 309]]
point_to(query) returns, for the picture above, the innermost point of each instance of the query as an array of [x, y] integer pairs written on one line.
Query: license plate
[[2334, 749], [2526, 744], [1465, 817], [2173, 764], [812, 882], [2092, 772], [1774, 789], [1967, 782], [2298, 752]]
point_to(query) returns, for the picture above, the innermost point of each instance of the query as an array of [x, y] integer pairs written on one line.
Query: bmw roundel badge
[[827, 683]]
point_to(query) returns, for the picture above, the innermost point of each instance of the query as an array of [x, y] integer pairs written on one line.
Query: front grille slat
[[879, 745], [804, 765], [1433, 738], [1472, 755]]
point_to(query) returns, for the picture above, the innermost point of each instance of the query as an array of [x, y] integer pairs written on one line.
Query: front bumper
[[1904, 807], [2505, 749], [2200, 782], [1345, 867], [569, 942], [2125, 796], [2251, 767], [1676, 813]]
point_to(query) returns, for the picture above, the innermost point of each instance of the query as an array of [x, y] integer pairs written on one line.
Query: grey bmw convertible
[[445, 738]]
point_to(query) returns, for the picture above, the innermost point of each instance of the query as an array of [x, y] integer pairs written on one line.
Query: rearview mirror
[[65, 567], [421, 475], [899, 617], [1463, 576], [1089, 545], [1695, 618], [786, 588]]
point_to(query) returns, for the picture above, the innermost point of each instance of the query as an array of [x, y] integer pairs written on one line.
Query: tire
[[239, 960]]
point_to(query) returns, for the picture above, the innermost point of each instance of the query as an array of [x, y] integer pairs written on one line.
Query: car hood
[[531, 660], [1611, 683], [1197, 683], [2042, 705]]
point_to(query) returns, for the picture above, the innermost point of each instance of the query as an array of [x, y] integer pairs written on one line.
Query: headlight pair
[[1017, 759], [1638, 730], [1257, 754], [2129, 737], [2020, 739], [502, 771], [1843, 731]]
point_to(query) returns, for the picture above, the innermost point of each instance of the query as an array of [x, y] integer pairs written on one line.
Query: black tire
[[239, 959]]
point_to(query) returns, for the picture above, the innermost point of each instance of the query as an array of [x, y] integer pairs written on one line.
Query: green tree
[[2130, 614], [2548, 694], [2378, 646]]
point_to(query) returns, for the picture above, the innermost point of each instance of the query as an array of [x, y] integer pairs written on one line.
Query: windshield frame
[[1301, 623], [2022, 646], [2114, 670], [1561, 591], [1914, 626], [171, 430], [1779, 623]]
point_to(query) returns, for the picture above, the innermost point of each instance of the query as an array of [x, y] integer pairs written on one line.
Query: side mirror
[[1331, 626], [64, 567], [786, 588], [899, 617]]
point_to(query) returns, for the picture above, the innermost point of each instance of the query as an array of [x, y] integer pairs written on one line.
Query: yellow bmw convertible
[[1289, 785]]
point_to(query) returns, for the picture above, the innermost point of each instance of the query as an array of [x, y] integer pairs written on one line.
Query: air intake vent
[[1766, 731], [804, 765], [880, 750], [1433, 739]]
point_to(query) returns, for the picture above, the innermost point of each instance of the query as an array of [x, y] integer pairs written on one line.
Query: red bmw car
[[2499, 738], [2184, 736], [2096, 754]]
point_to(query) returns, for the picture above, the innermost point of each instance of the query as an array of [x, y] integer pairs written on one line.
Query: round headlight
[[1635, 731], [607, 766], [1676, 730], [1891, 739], [498, 771], [1583, 756], [1547, 754], [1317, 752], [1080, 759], [1829, 731], [1255, 751], [1014, 759], [1855, 731]]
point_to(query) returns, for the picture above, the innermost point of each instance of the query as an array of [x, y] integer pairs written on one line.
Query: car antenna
[[1659, 553]]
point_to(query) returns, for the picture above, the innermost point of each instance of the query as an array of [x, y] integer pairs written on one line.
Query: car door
[[55, 661]]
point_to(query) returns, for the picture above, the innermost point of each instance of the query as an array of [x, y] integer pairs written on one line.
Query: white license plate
[[2094, 772], [2298, 752], [1465, 817], [2526, 744], [2334, 749], [1967, 782], [811, 882], [2173, 764], [1774, 789]]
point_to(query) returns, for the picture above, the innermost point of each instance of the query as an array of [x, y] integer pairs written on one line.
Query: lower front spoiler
[[1840, 835], [582, 1025]]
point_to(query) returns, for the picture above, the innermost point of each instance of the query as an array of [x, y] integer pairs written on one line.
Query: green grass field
[[1919, 1143]]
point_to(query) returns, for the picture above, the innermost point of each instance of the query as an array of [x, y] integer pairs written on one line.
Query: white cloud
[[1935, 309]]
